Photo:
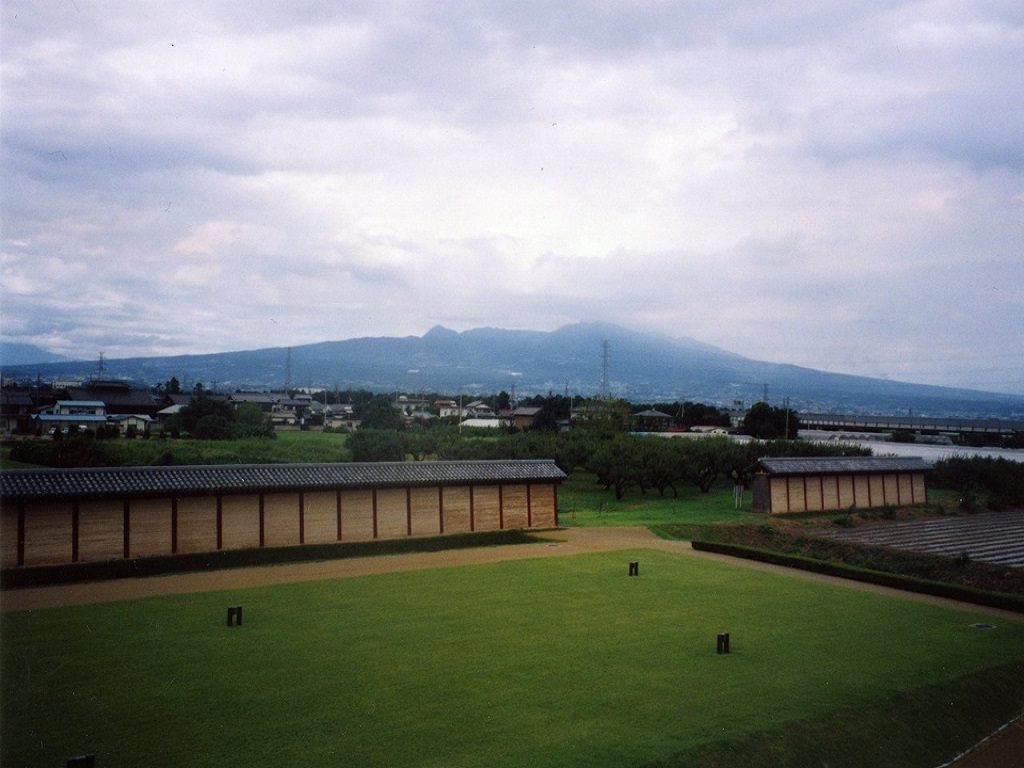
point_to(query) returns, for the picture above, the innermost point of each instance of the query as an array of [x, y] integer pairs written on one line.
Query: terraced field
[[993, 537]]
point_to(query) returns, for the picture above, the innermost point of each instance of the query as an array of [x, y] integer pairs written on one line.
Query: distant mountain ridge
[[16, 353], [644, 367]]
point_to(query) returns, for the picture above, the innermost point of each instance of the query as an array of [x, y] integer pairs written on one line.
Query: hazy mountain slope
[[640, 366], [14, 353]]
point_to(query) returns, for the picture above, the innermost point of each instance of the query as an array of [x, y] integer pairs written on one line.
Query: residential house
[[68, 416], [525, 417]]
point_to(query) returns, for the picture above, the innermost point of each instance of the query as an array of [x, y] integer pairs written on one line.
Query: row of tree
[[981, 481], [621, 462]]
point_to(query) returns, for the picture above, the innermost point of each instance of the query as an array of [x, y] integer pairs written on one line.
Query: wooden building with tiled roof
[[817, 484], [52, 517]]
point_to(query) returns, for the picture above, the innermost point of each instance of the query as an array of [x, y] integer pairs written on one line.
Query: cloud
[[836, 185]]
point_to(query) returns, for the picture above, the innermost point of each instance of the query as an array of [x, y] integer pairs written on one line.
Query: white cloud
[[837, 185]]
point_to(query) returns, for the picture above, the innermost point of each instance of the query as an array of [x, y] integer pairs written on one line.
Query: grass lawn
[[582, 502], [551, 662]]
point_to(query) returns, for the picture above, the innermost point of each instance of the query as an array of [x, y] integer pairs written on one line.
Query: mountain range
[[583, 359]]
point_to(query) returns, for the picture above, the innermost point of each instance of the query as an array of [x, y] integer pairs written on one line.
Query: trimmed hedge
[[49, 575], [897, 581]]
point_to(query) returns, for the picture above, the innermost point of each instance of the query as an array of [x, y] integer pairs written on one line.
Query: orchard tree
[[616, 464]]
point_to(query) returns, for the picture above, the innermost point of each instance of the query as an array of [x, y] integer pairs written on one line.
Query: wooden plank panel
[[392, 513], [876, 487], [890, 490], [814, 493], [860, 491], [797, 498], [830, 485], [779, 495], [47, 534], [101, 530], [149, 528], [543, 497], [845, 492], [280, 519], [240, 521], [426, 519], [197, 524], [920, 489], [8, 535], [513, 502], [903, 488], [456, 509], [356, 515], [321, 517], [485, 508]]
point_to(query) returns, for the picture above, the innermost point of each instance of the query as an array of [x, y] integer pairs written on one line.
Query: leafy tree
[[767, 422], [250, 421], [378, 413], [212, 426], [698, 414], [216, 412], [706, 460], [616, 464], [662, 467]]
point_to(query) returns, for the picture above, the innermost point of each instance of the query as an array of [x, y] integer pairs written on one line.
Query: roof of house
[[492, 423], [258, 397], [115, 397], [832, 465], [33, 485], [527, 410], [61, 418]]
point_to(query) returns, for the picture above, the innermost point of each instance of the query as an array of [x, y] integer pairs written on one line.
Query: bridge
[[926, 424]]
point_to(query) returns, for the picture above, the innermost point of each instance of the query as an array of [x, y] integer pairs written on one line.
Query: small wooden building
[[52, 517], [819, 484]]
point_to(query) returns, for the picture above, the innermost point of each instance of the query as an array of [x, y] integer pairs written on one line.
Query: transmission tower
[[288, 372], [605, 389]]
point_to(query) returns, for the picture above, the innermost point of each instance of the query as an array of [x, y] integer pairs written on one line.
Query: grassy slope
[[561, 662]]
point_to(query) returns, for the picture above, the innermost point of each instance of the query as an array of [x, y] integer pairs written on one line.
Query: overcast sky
[[836, 184]]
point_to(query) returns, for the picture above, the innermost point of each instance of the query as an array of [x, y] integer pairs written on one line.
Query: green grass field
[[552, 662], [582, 502]]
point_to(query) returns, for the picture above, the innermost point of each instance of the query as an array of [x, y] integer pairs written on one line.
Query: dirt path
[[558, 543], [1002, 750]]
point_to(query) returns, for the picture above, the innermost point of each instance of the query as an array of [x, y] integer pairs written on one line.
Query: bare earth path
[[1003, 750]]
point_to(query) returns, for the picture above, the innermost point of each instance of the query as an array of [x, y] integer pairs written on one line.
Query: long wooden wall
[[86, 531], [813, 493]]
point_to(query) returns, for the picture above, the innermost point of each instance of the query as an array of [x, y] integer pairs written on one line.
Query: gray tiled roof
[[843, 465], [44, 484]]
